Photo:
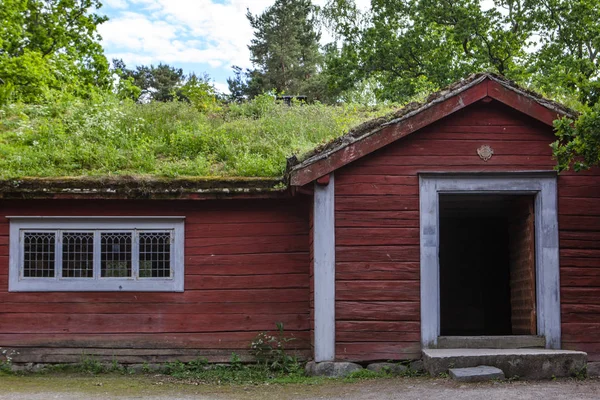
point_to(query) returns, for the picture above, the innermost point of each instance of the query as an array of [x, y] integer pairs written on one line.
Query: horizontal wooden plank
[[146, 323], [377, 253], [196, 340], [377, 271], [377, 311], [401, 336], [231, 230], [381, 236], [299, 306], [258, 244], [377, 203], [377, 326], [374, 351], [373, 189], [272, 261], [376, 219], [189, 296], [567, 262], [578, 223], [246, 282], [578, 206], [580, 253], [122, 356], [584, 295], [591, 281]]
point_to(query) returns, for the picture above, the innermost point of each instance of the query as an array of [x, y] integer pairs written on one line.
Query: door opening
[[487, 265]]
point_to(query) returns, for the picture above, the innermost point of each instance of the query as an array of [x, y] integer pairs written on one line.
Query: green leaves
[[284, 51], [578, 143], [51, 44]]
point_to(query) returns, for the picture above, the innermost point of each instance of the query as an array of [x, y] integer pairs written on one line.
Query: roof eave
[[445, 102]]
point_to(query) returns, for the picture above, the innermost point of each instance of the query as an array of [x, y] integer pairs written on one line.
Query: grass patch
[[103, 135]]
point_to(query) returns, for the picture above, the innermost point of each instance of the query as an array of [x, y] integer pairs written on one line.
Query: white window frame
[[20, 224]]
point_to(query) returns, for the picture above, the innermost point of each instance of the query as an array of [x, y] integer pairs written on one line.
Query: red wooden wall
[[247, 267], [377, 229]]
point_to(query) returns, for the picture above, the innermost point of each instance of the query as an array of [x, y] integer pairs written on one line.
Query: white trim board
[[324, 270], [543, 186]]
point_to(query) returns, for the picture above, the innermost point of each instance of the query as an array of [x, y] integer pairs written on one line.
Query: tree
[[51, 44], [161, 83], [413, 46], [284, 50], [201, 93], [568, 61]]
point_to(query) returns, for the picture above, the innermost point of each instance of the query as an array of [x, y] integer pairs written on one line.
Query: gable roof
[[380, 132]]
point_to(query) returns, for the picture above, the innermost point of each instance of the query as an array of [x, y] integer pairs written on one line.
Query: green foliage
[[578, 143], [89, 365], [161, 83], [285, 52], [273, 363], [411, 46], [234, 373], [104, 135], [201, 94], [270, 351], [6, 357], [51, 44]]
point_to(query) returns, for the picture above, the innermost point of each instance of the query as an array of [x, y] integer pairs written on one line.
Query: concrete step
[[476, 374], [491, 342], [523, 363]]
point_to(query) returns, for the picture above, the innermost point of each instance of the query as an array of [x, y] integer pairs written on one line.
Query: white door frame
[[540, 184]]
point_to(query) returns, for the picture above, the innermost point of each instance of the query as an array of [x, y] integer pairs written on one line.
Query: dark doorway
[[487, 282]]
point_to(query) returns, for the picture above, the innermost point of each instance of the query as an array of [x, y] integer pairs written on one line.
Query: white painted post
[[324, 270], [430, 272]]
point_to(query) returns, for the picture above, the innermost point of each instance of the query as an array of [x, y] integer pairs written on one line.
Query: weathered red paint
[[377, 227], [247, 268]]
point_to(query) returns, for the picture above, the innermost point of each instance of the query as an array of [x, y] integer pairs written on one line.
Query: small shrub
[[90, 365], [6, 359], [271, 352]]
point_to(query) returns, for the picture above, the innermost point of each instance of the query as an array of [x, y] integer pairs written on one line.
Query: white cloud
[[184, 31], [121, 4]]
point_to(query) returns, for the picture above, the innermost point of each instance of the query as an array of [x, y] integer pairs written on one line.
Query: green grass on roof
[[106, 136]]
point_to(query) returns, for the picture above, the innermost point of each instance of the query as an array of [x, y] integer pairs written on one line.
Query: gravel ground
[[156, 388]]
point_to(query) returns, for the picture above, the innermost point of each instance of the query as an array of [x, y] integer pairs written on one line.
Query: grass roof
[[104, 136]]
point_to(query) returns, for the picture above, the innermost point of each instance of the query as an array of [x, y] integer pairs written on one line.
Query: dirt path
[[157, 388]]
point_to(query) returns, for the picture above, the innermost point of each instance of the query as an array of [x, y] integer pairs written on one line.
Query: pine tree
[[285, 50]]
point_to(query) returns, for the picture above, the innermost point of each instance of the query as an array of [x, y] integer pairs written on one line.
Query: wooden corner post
[[324, 268]]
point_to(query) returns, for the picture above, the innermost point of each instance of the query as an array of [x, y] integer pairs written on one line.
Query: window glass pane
[[78, 255], [38, 254], [115, 257], [155, 254]]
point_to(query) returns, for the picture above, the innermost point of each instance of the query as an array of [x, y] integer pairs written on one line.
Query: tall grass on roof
[[103, 135]]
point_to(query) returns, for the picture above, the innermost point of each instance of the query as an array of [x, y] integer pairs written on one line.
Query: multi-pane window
[[69, 254]]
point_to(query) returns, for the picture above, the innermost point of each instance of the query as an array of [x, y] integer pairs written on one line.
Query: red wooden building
[[445, 220]]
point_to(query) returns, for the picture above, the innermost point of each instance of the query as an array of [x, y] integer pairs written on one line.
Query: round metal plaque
[[485, 152]]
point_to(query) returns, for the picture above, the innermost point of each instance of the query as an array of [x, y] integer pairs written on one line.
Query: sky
[[202, 36]]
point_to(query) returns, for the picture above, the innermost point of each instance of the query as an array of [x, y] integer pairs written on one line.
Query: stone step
[[523, 363], [476, 374], [491, 342]]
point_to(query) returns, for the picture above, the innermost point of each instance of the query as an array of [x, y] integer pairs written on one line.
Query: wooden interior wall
[[247, 267], [377, 229], [522, 267]]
